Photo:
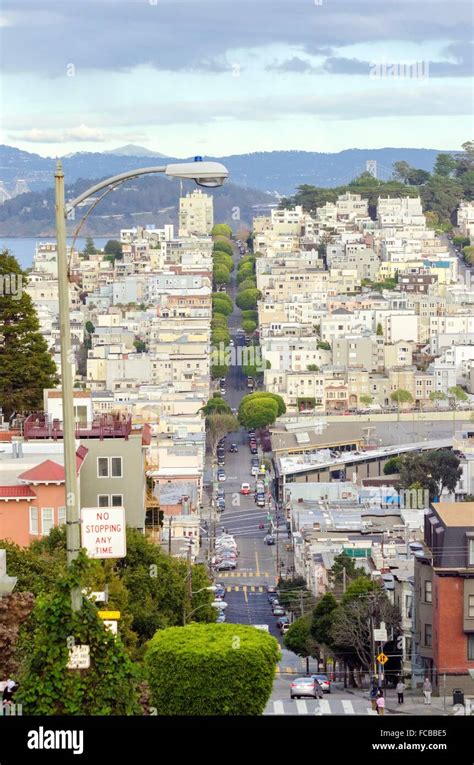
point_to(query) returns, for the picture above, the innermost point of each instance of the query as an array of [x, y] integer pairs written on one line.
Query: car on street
[[222, 391], [221, 475], [284, 628], [221, 504], [272, 597], [253, 449], [254, 470], [226, 565], [305, 686], [324, 682], [255, 461], [269, 539], [222, 382], [278, 610], [282, 620], [221, 460], [245, 488], [233, 448], [220, 589], [251, 432], [260, 500], [271, 589]]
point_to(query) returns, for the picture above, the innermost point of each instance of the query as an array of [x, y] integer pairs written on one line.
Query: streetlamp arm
[[112, 180]]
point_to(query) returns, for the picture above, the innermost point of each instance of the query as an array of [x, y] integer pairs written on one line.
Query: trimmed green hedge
[[211, 669]]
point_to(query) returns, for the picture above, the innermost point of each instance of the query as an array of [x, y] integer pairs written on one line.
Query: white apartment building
[[466, 219], [196, 214]]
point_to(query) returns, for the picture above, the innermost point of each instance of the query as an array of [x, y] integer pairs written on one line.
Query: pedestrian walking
[[400, 690], [8, 691], [373, 696], [427, 690], [380, 703]]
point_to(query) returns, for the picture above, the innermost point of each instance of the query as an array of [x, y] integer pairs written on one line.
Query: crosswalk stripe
[[252, 588], [244, 588], [228, 589], [347, 706], [278, 708], [301, 707], [236, 588], [325, 707]]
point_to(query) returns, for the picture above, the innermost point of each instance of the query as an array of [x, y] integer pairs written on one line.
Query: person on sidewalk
[[400, 690], [427, 690], [380, 703], [373, 695]]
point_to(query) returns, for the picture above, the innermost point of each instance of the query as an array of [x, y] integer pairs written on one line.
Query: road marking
[[236, 588], [245, 595], [301, 707], [324, 707], [244, 588], [252, 588], [278, 708], [258, 567], [347, 707]]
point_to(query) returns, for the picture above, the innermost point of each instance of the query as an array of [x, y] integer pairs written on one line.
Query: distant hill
[[130, 150], [147, 200], [279, 172]]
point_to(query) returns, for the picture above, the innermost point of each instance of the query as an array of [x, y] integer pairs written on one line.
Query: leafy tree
[[223, 298], [26, 366], [14, 611], [418, 177], [323, 345], [468, 253], [312, 368], [89, 248], [216, 405], [113, 247], [244, 272], [249, 326], [248, 284], [222, 247], [392, 466], [221, 275], [221, 306], [140, 346], [220, 669], [217, 426], [343, 562], [248, 299], [219, 370], [441, 195], [222, 259], [90, 327], [247, 259], [461, 241], [433, 471], [445, 468], [220, 335], [321, 624], [457, 394], [437, 395], [258, 414], [299, 638], [401, 396], [366, 399], [219, 320], [445, 164], [402, 170], [266, 395], [251, 315], [379, 330], [47, 686], [221, 229]]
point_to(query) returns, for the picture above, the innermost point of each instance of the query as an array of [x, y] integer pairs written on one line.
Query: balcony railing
[[41, 425]]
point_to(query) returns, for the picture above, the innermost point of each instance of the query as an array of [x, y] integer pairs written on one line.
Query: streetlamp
[[207, 174]]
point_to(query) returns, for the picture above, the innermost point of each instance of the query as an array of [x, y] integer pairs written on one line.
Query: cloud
[[172, 35], [293, 65], [73, 135]]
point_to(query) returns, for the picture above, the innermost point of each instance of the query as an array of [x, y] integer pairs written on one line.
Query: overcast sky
[[219, 77]]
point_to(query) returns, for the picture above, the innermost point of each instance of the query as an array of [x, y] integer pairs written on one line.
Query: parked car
[[269, 539], [271, 589], [272, 597], [260, 500], [233, 448], [245, 488], [250, 382], [284, 628], [253, 449], [221, 475], [278, 610], [222, 382], [255, 461], [225, 565], [220, 492], [305, 686], [221, 460], [324, 682], [254, 470], [282, 620], [221, 503]]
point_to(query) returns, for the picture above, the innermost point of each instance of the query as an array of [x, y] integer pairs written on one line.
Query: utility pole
[[169, 534], [73, 535], [188, 598], [344, 577]]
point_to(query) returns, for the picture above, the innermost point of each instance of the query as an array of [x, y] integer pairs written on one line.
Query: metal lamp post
[[206, 174]]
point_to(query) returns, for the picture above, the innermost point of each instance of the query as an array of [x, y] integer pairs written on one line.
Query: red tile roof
[[16, 492], [51, 472]]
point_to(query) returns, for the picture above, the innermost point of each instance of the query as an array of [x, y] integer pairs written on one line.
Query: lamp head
[[206, 174]]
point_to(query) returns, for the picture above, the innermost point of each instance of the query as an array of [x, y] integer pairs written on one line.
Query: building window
[[34, 520], [470, 607], [116, 466], [408, 648], [47, 522], [470, 647], [428, 591], [117, 500], [471, 552], [102, 467], [61, 516], [428, 635], [102, 500], [408, 606]]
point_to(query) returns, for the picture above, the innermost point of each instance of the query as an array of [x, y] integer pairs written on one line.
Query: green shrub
[[212, 669]]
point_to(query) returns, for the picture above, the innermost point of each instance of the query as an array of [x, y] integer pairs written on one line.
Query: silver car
[[305, 686]]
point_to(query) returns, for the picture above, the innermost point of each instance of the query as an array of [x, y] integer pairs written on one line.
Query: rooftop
[[455, 513]]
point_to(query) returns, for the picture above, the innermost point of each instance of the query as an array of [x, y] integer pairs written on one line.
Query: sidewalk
[[413, 703]]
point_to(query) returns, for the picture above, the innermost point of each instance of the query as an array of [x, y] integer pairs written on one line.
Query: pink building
[[30, 508]]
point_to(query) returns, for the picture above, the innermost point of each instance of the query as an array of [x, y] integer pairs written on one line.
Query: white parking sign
[[103, 532]]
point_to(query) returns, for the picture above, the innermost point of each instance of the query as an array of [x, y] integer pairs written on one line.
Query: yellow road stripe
[[244, 588], [257, 572], [252, 588], [236, 588], [245, 595]]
